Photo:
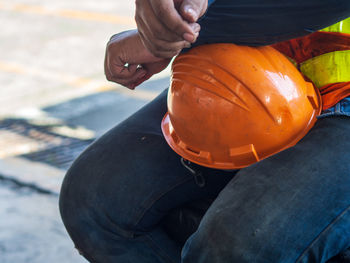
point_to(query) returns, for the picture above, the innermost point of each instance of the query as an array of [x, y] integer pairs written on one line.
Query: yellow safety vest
[[332, 67]]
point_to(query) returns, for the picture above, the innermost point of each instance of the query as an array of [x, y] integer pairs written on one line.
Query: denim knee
[[74, 209], [215, 242], [93, 233], [210, 244]]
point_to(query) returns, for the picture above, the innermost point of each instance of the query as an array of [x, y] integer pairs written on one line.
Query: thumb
[[191, 10]]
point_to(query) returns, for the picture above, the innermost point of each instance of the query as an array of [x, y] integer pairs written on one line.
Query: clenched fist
[[128, 62], [168, 26]]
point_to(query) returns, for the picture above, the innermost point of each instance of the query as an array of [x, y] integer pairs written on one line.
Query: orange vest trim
[[313, 45], [333, 93]]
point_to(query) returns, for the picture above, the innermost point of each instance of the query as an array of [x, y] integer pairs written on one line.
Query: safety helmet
[[230, 106]]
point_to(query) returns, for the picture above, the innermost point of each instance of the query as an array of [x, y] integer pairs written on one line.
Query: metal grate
[[39, 143]]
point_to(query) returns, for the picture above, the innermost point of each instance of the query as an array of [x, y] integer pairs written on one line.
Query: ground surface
[[54, 101]]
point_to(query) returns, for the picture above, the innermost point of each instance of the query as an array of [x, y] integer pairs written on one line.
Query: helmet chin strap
[[197, 174]]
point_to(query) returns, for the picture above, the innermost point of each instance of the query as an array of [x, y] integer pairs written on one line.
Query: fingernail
[[188, 37], [190, 11], [197, 28]]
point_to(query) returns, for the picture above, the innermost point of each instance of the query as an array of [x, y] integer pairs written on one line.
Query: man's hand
[[168, 26], [192, 10], [128, 62]]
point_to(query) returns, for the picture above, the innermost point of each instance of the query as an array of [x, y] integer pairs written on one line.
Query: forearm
[[251, 22]]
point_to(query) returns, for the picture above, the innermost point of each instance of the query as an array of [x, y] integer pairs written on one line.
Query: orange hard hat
[[230, 106]]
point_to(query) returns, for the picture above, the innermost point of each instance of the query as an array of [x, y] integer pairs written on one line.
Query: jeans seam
[[322, 233], [149, 204]]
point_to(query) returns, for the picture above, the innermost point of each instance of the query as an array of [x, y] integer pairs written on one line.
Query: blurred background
[[54, 101]]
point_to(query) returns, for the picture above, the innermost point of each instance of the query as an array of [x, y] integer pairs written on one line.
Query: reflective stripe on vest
[[324, 58], [332, 67], [328, 68], [340, 27]]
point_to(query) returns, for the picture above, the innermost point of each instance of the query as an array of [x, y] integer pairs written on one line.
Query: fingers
[[154, 26], [132, 75], [121, 73], [129, 77], [196, 28], [166, 13], [128, 62], [192, 10], [163, 31], [162, 48]]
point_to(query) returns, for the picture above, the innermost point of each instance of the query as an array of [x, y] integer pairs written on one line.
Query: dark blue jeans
[[129, 198]]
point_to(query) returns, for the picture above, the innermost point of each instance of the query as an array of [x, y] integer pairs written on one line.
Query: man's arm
[[244, 22]]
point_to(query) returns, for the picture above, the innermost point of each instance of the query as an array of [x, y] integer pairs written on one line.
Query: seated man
[[292, 207]]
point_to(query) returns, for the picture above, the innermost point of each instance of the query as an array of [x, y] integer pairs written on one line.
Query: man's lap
[[127, 181], [130, 178], [291, 207]]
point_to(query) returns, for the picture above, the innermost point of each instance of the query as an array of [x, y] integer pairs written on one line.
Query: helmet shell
[[230, 106]]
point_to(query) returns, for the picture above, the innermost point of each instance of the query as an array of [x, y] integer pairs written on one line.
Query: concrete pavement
[[54, 101], [31, 229]]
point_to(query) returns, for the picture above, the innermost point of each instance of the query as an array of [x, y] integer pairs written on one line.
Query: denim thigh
[[119, 189], [291, 207]]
